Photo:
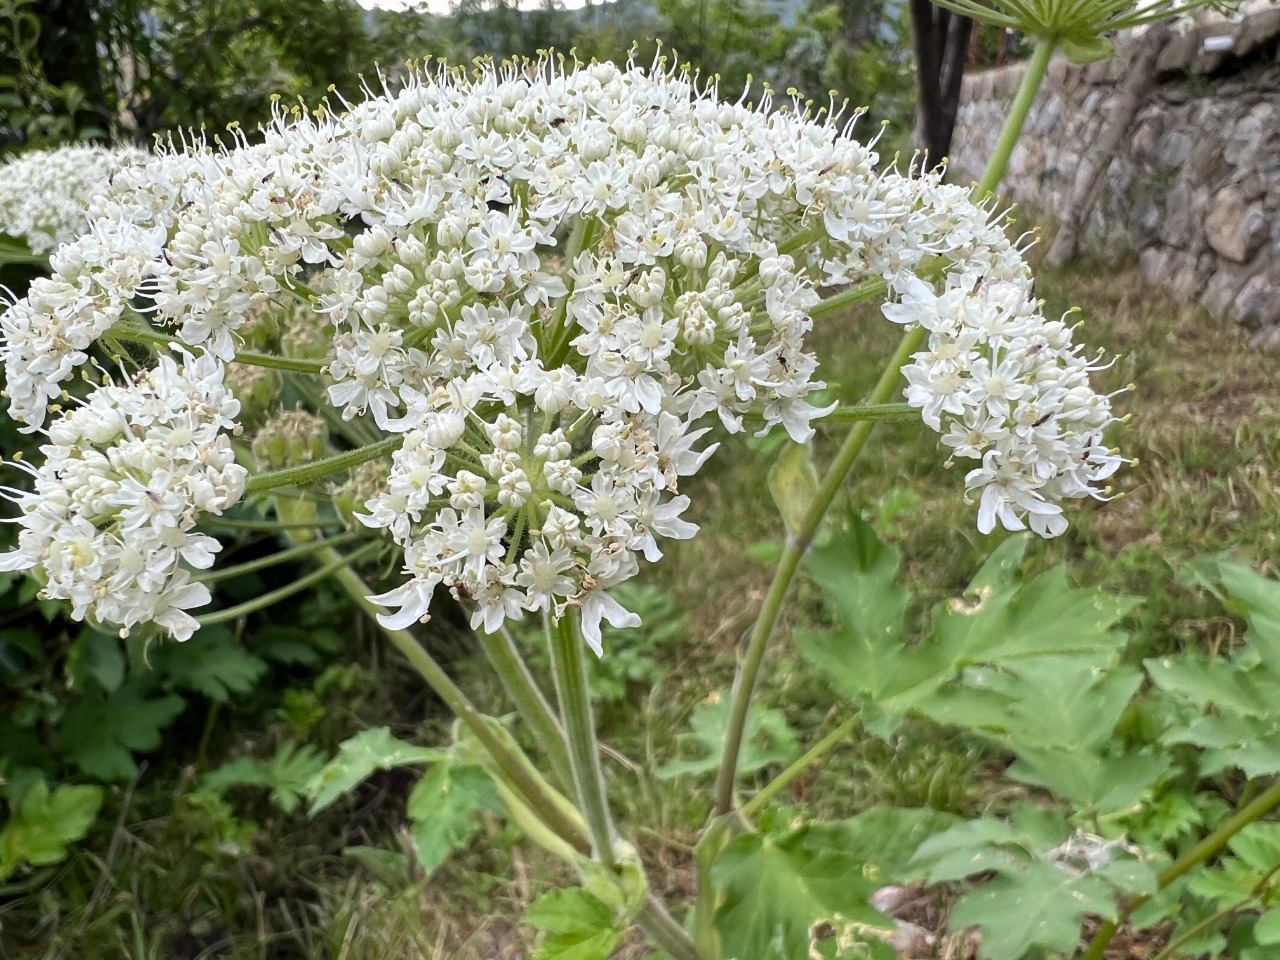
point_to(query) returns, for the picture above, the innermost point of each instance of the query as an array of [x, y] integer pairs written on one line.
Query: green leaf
[[99, 656], [100, 731], [43, 825], [1237, 725], [1250, 743], [442, 808], [358, 758], [969, 848], [576, 925], [1058, 714], [1041, 907], [778, 887], [1267, 930], [287, 774], [1260, 599], [858, 574], [210, 663], [1034, 667], [14, 250], [1000, 624], [767, 739], [886, 839], [388, 867], [1205, 682]]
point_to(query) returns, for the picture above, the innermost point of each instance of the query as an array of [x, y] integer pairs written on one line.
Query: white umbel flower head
[[110, 523], [549, 280]]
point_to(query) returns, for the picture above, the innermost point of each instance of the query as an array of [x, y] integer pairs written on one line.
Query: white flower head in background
[[549, 282], [44, 194]]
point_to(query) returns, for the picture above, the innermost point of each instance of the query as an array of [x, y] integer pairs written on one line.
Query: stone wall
[[1194, 186]]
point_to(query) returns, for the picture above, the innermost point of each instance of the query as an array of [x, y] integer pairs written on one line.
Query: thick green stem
[[812, 756], [1260, 888], [794, 551], [708, 896], [1197, 855], [512, 769], [570, 669], [663, 929], [1026, 95], [307, 472], [532, 706]]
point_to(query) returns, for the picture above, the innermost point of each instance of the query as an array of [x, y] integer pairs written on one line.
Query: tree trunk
[[1094, 162], [942, 47]]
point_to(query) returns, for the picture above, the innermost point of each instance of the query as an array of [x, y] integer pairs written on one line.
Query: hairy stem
[[860, 293], [512, 768], [744, 686], [307, 472], [280, 556], [1012, 130], [812, 756], [663, 929], [789, 563], [570, 669], [283, 593], [529, 701], [138, 334]]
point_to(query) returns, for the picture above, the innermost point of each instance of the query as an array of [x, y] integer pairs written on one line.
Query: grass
[[185, 876]]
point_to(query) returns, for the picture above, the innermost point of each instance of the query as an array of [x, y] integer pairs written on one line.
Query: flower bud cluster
[[44, 193], [110, 524], [289, 439]]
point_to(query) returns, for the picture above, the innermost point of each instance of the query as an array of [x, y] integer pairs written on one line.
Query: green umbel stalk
[[308, 472], [789, 563], [532, 706], [1197, 855], [1013, 124], [569, 666]]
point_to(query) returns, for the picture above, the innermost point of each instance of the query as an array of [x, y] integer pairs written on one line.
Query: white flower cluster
[[543, 278], [1006, 387], [44, 193], [127, 475]]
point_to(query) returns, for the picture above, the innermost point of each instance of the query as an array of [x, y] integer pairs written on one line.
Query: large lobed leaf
[[42, 825], [443, 806], [780, 887], [1033, 666], [368, 751], [1229, 702]]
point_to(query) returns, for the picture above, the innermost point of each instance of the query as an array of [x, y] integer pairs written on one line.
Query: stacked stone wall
[[1194, 186]]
